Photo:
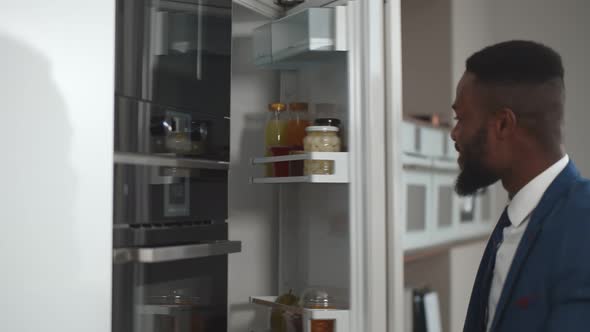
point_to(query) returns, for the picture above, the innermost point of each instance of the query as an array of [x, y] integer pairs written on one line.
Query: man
[[535, 271]]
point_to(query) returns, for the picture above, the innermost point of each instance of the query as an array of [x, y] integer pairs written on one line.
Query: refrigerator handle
[[174, 253], [165, 161]]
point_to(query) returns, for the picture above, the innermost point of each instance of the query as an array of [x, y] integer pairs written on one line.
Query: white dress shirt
[[519, 211]]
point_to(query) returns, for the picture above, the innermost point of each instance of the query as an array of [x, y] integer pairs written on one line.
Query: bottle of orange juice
[[299, 120], [275, 134]]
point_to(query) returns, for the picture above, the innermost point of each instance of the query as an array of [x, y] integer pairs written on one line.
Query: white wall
[[252, 208], [562, 25], [56, 93], [426, 56], [463, 264]]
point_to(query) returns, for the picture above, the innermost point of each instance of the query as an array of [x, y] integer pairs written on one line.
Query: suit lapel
[[558, 187]]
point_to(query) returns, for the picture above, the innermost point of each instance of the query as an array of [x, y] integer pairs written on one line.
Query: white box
[[450, 151], [431, 142], [409, 138]]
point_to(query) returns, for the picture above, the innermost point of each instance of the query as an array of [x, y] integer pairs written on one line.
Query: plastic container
[[321, 139]]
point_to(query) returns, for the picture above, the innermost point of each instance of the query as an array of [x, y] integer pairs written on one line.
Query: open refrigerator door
[[330, 238]]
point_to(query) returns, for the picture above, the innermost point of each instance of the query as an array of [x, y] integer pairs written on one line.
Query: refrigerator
[[199, 225]]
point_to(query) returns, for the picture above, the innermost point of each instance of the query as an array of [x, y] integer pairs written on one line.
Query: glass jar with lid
[[330, 115], [178, 140], [275, 134], [317, 298], [320, 139]]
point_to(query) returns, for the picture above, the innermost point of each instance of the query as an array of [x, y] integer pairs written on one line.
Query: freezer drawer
[[172, 296]]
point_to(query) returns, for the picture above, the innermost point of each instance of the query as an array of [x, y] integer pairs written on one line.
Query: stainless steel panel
[[173, 253]]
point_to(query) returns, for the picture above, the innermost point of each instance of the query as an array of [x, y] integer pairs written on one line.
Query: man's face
[[471, 139]]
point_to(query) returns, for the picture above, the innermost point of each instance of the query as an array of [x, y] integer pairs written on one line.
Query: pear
[[288, 298], [277, 320]]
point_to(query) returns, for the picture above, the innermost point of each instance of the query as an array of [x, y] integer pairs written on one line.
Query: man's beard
[[474, 175]]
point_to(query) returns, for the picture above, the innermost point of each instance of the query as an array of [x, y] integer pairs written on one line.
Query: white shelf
[[415, 161], [340, 316], [308, 35], [340, 168], [269, 301], [315, 4]]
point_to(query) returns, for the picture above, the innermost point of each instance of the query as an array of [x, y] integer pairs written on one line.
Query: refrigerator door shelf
[[309, 35], [340, 168], [339, 316]]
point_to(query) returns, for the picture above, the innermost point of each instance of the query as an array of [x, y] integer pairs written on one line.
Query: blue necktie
[[481, 293]]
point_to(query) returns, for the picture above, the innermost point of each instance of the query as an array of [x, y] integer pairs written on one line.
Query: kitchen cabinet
[[433, 213], [57, 86]]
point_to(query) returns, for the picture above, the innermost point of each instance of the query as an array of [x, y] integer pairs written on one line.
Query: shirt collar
[[527, 198]]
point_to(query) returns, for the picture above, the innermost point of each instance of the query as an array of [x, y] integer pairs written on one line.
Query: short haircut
[[526, 77]]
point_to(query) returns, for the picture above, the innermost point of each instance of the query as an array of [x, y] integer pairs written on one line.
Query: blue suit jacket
[[548, 284]]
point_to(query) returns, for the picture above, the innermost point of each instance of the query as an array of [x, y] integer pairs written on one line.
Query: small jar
[[298, 121], [319, 299], [276, 139], [320, 139]]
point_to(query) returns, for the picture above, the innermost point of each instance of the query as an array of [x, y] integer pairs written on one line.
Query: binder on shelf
[[425, 311], [419, 317], [432, 312]]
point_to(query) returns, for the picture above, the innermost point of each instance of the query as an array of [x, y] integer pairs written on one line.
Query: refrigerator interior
[[294, 236]]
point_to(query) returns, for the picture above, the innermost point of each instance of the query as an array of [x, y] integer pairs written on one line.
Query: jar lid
[[322, 129], [298, 107], [315, 298], [327, 122], [277, 107]]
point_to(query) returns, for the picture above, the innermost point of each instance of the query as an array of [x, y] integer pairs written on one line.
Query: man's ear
[[505, 123]]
